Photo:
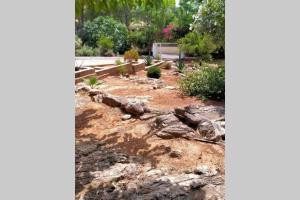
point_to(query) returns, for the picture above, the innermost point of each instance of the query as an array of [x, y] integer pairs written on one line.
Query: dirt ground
[[103, 123]]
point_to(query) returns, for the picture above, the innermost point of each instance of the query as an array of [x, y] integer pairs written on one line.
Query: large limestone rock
[[113, 101], [169, 126]]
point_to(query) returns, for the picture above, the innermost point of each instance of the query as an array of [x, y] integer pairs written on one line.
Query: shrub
[[180, 66], [92, 81], [105, 44], [118, 62], [208, 83], [198, 45], [78, 42], [105, 27], [148, 60], [158, 56], [154, 72], [131, 55], [122, 70], [85, 51]]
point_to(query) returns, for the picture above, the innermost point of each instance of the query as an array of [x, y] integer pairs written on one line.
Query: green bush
[[148, 60], [105, 27], [86, 51], [197, 45], [105, 44], [154, 72], [122, 70], [207, 83]]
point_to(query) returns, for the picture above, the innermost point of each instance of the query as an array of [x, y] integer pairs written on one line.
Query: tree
[[210, 19]]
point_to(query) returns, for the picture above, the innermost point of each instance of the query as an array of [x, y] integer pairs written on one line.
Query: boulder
[[204, 169], [169, 126], [194, 114], [113, 101], [212, 131], [135, 108]]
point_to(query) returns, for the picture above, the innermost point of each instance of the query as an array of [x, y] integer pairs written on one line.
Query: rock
[[204, 169], [113, 101], [176, 154], [195, 114], [94, 92], [212, 131], [170, 87], [114, 173], [147, 116], [126, 117], [135, 108], [169, 126]]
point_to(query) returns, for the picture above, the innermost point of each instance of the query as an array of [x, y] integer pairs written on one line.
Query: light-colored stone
[[126, 117]]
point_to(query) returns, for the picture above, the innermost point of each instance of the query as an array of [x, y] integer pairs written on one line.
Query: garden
[[143, 118]]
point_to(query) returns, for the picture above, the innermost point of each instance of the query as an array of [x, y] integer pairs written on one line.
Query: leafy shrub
[[105, 27], [105, 44], [154, 72], [197, 45], [78, 42], [122, 70], [206, 83], [118, 62], [131, 55], [158, 56], [148, 60], [85, 51], [92, 81], [180, 66]]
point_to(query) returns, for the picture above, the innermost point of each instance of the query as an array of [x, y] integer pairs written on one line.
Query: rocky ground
[[139, 138]]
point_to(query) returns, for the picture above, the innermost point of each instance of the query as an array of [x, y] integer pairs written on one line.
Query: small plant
[[207, 83], [131, 55], [180, 66], [148, 60], [118, 62], [92, 81], [154, 72], [158, 56], [122, 70]]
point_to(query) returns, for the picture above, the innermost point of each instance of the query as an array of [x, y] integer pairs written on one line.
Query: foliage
[[93, 30], [118, 62], [208, 83], [92, 81], [154, 72], [148, 60], [198, 45], [105, 44], [85, 51], [122, 70], [78, 42], [158, 56], [131, 55], [210, 19], [180, 66], [184, 17]]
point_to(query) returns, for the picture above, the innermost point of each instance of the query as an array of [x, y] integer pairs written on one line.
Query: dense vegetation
[[138, 23], [129, 27]]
